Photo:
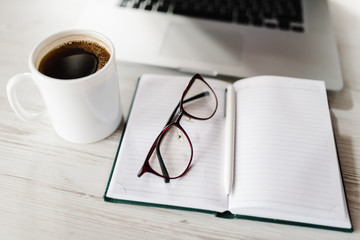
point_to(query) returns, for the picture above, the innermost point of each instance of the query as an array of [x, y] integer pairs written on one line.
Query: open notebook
[[286, 164]]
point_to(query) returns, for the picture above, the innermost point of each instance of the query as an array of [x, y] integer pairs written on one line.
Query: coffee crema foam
[[99, 51], [74, 59]]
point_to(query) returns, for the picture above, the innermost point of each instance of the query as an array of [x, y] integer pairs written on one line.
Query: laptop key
[[123, 3], [297, 29], [243, 19], [271, 25], [257, 22], [136, 5], [163, 7], [148, 7], [284, 25]]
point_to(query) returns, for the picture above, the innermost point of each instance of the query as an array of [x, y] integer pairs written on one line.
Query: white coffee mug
[[81, 110]]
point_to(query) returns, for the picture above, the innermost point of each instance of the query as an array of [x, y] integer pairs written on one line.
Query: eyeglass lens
[[202, 107], [175, 151]]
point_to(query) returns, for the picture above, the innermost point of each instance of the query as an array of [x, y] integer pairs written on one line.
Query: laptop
[[237, 38]]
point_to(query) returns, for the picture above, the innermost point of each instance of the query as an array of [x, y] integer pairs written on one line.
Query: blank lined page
[[286, 160], [202, 186]]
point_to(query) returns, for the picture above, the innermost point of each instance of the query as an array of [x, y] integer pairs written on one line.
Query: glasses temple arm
[[146, 167], [161, 161]]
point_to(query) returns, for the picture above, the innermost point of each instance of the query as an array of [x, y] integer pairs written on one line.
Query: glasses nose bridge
[[178, 117]]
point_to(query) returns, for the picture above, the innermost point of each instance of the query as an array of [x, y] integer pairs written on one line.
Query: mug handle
[[14, 101]]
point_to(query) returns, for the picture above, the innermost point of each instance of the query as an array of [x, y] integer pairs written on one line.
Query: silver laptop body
[[217, 48]]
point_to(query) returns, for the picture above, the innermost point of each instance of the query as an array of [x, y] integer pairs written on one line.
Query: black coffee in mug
[[74, 59]]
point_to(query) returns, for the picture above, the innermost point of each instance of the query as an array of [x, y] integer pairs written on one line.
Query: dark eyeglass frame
[[174, 121]]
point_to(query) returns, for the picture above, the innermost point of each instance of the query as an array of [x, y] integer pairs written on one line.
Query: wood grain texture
[[52, 189]]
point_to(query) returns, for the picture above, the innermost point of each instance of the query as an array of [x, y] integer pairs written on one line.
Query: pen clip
[[225, 101]]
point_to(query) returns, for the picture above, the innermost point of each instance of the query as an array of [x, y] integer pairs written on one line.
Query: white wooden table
[[52, 189]]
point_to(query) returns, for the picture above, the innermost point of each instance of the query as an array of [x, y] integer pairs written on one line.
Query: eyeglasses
[[171, 154]]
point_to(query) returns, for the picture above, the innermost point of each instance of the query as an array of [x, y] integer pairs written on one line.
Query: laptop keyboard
[[286, 15]]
